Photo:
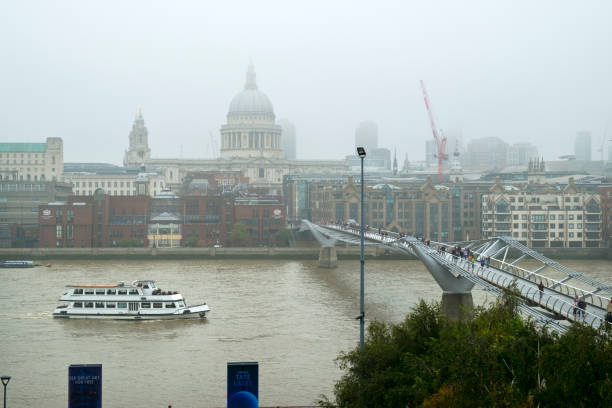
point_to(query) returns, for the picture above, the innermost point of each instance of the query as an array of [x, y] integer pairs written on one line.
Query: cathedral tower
[[138, 152]]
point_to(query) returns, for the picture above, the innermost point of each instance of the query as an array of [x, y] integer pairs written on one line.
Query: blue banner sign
[[242, 385], [85, 386]]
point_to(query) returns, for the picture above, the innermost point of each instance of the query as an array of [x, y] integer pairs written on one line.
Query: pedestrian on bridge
[[575, 306], [541, 289], [582, 306]]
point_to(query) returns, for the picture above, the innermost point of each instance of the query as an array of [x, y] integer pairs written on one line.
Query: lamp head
[[361, 152], [5, 379]]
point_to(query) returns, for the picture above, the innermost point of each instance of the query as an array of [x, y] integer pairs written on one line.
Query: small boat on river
[[142, 300], [17, 264]]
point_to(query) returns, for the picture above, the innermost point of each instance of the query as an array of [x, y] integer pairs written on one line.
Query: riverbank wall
[[188, 253], [312, 253]]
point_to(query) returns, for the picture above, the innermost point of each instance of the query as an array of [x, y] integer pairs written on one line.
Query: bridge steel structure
[[456, 276]]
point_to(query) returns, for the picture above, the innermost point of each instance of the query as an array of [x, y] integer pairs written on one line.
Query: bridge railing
[[558, 285], [548, 301], [551, 283], [553, 303]]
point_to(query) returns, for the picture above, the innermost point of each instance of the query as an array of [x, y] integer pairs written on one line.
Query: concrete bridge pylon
[[328, 257]]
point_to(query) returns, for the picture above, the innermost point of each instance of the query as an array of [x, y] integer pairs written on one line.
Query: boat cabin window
[[121, 305], [99, 291], [88, 304], [145, 305], [146, 286], [170, 305], [157, 305], [111, 291], [122, 292], [78, 291], [110, 305], [77, 304], [181, 304], [89, 291], [99, 305], [133, 291]]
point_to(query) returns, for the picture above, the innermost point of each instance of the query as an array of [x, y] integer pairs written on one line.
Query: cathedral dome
[[251, 100]]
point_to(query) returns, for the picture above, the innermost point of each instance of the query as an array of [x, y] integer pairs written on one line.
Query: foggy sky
[[524, 71]]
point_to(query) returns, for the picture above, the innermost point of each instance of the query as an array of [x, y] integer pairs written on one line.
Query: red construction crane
[[438, 136]]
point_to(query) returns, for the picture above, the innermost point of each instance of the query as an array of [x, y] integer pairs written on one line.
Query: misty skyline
[[520, 71]]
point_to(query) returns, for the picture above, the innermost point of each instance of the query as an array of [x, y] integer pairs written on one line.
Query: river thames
[[291, 317]]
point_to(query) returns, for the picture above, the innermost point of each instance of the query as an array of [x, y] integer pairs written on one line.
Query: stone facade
[[543, 216], [32, 161], [251, 143], [436, 212]]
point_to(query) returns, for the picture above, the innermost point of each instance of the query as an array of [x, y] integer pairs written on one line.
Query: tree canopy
[[492, 358], [239, 235]]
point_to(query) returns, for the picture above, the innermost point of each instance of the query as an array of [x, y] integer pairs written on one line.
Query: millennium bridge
[[552, 307]]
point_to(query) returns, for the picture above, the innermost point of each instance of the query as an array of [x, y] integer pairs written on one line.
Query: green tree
[[191, 241], [129, 242], [283, 237], [492, 358], [239, 235]]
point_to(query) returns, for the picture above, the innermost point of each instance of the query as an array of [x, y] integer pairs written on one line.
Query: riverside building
[[543, 216], [32, 161]]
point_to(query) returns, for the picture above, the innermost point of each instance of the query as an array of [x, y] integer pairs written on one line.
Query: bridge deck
[[556, 300]]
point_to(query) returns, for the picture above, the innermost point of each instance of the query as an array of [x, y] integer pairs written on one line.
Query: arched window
[[501, 206], [593, 206]]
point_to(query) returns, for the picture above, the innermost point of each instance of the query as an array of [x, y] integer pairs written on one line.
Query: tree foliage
[[192, 242], [493, 358], [130, 243], [283, 237], [239, 235]]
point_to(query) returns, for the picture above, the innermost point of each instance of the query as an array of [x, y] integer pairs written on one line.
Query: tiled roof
[[23, 147]]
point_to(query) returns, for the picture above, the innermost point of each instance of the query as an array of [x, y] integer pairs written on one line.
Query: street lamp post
[[5, 381], [362, 154]]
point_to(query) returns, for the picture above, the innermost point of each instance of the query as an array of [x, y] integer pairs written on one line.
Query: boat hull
[[194, 312]]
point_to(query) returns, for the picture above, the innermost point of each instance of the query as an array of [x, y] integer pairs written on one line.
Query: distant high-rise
[[582, 146], [366, 135], [138, 152], [431, 152], [519, 154], [486, 153], [288, 137]]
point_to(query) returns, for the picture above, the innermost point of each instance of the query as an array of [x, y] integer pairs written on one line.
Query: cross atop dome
[[251, 82]]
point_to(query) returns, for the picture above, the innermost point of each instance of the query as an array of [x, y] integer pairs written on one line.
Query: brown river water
[[291, 317]]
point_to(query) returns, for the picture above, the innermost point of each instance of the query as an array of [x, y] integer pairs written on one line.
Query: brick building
[[263, 218], [163, 221], [605, 196], [447, 212]]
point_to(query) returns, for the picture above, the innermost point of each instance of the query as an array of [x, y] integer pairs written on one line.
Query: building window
[[58, 231], [262, 172]]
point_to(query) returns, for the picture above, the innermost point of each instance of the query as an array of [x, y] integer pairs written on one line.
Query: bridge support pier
[[328, 258], [456, 305]]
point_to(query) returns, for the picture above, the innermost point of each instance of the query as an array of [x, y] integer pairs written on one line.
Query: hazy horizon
[[534, 72]]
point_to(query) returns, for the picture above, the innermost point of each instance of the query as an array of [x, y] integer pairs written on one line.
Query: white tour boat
[[139, 301]]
